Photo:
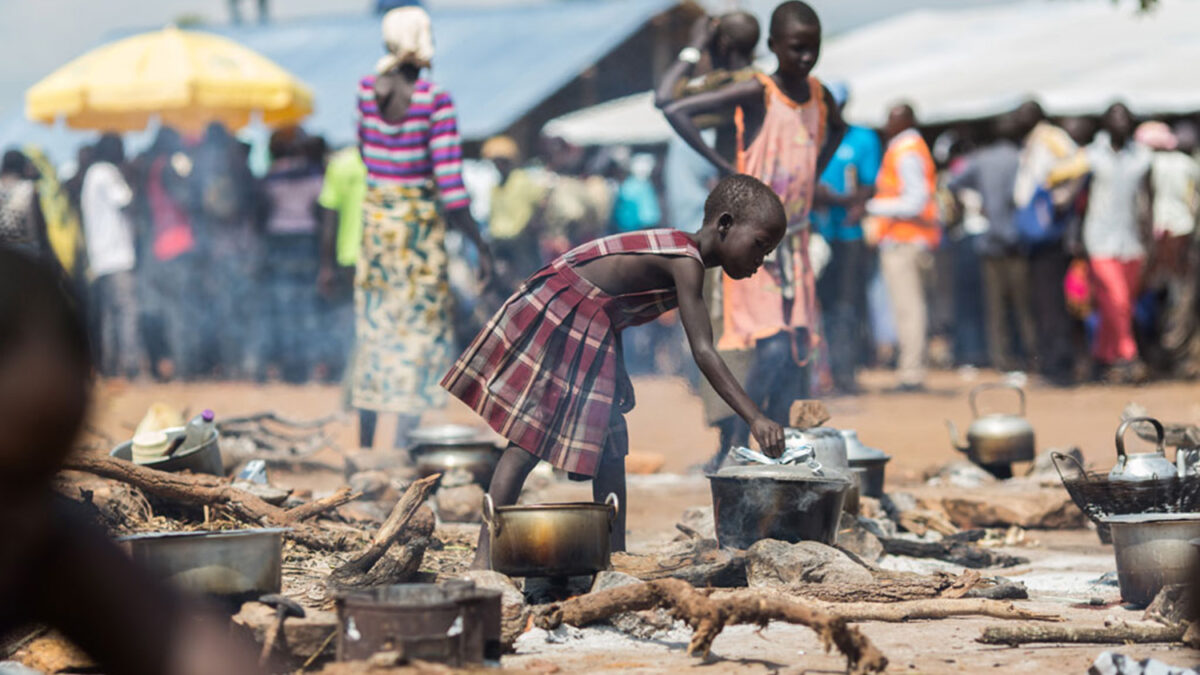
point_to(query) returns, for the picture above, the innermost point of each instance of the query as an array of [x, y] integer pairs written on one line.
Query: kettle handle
[[1158, 429], [995, 385]]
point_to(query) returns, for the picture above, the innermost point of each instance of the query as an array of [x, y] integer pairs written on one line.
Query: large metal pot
[[204, 459], [753, 503], [447, 448], [1152, 551], [995, 439], [550, 540], [228, 563]]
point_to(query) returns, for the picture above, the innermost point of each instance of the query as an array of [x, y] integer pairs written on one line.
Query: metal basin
[[1152, 551], [755, 504], [204, 459], [478, 458], [550, 540], [228, 563]]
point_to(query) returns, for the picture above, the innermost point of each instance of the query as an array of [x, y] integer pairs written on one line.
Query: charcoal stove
[[453, 623]]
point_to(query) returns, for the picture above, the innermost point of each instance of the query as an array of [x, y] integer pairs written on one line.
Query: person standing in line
[[845, 186], [788, 129], [1116, 233], [64, 234], [991, 171], [292, 262], [169, 258], [904, 224], [342, 192], [516, 205], [112, 258], [1174, 182], [1052, 171], [231, 253], [408, 133]]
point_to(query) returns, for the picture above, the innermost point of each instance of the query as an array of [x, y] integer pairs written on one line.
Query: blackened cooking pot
[[753, 503], [550, 540]]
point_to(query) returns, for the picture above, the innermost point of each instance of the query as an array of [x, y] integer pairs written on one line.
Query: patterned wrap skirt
[[402, 303]]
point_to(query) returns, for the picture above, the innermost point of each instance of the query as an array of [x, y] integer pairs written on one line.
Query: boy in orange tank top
[[789, 127]]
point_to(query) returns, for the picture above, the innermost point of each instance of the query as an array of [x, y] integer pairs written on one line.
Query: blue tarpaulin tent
[[498, 62]]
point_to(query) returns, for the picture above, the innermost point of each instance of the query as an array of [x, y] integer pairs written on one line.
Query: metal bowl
[[204, 459], [227, 563], [1152, 551]]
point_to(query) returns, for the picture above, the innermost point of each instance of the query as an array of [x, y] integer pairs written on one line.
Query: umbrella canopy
[[186, 78]]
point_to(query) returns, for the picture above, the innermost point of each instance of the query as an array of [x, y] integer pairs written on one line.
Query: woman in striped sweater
[[408, 134]]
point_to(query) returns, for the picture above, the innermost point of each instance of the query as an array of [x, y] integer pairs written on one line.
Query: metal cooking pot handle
[[613, 503], [1158, 428], [1056, 456], [489, 514], [995, 385]]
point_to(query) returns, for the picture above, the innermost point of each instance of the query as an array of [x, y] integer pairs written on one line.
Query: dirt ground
[[669, 421]]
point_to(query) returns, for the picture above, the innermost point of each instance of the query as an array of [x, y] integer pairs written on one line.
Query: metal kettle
[[1142, 465], [995, 438]]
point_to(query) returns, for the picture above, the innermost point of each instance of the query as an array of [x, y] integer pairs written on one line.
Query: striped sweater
[[424, 145]]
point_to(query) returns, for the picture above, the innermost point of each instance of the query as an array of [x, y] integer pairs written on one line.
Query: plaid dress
[[547, 371]]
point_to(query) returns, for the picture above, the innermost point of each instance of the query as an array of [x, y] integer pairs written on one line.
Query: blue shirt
[[855, 163]]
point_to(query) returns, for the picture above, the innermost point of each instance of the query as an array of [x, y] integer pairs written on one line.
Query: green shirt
[[343, 191]]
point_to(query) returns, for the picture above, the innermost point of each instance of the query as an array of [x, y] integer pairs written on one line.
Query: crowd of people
[[191, 265], [1018, 243]]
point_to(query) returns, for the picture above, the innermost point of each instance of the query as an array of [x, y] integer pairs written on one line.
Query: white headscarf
[[408, 34]]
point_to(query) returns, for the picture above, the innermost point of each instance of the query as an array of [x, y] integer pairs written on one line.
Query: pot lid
[[1137, 518], [444, 433], [855, 450]]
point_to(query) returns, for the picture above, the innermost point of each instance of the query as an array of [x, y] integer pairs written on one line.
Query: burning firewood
[[708, 616]]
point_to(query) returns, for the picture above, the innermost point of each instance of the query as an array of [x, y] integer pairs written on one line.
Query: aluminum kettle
[[1142, 465], [995, 438]]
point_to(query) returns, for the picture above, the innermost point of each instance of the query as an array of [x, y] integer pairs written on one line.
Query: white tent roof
[[631, 120], [1075, 56]]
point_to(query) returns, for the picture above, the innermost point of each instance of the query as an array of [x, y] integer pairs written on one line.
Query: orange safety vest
[[925, 228]]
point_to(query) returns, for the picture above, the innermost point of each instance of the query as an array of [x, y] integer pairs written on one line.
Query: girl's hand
[[769, 436]]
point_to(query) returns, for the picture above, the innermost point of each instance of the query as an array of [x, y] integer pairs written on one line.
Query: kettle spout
[[955, 439]]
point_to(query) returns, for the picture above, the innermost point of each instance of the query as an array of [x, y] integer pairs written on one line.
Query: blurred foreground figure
[[56, 568]]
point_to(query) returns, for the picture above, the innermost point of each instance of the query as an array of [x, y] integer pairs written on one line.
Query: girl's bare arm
[[689, 283]]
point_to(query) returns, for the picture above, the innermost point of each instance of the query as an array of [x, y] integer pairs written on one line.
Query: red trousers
[[1114, 289]]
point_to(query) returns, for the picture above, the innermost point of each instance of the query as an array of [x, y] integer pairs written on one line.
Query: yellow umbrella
[[187, 78]]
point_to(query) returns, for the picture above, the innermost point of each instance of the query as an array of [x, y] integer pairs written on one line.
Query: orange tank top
[[784, 156]]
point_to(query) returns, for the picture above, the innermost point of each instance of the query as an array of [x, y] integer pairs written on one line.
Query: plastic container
[[198, 431]]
